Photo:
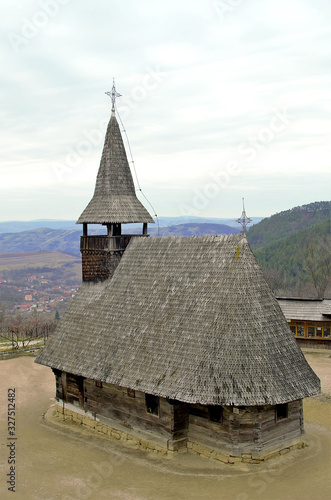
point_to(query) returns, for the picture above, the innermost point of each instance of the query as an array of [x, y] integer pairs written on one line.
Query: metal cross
[[113, 95], [244, 220]]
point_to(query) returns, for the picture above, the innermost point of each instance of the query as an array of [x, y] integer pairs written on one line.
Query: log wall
[[313, 343], [115, 403], [275, 433], [253, 432], [250, 430], [214, 435], [58, 384], [69, 388]]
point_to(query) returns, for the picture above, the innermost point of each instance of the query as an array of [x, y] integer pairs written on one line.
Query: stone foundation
[[166, 448]]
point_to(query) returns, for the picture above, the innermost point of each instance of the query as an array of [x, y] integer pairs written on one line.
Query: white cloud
[[196, 86]]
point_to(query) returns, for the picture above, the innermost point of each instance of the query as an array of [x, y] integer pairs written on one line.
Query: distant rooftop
[[306, 309]]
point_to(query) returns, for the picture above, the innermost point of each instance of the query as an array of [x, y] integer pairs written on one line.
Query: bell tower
[[114, 203]]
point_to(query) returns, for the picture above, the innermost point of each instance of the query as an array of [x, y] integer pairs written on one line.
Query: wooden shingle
[[114, 199], [306, 309], [191, 319]]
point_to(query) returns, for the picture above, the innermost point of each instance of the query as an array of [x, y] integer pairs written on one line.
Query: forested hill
[[293, 249], [288, 222]]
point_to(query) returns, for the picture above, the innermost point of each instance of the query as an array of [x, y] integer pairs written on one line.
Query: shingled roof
[[114, 199], [191, 319], [306, 309]]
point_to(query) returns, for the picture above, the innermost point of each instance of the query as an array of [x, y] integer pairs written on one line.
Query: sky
[[221, 100]]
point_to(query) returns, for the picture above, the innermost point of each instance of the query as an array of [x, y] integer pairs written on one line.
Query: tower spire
[[244, 220], [113, 95], [114, 200]]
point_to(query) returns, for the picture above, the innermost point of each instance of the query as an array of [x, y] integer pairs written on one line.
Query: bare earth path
[[57, 461]]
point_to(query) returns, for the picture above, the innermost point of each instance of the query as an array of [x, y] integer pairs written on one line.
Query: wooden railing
[[107, 243]]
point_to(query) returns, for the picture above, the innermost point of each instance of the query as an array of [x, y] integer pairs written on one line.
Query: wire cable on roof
[[135, 171]]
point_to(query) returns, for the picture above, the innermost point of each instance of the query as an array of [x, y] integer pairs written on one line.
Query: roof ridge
[[208, 237]]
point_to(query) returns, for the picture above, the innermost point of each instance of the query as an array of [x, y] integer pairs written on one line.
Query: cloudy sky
[[220, 100]]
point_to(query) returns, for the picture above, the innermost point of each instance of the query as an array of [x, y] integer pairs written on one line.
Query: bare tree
[[274, 279], [22, 331], [317, 264]]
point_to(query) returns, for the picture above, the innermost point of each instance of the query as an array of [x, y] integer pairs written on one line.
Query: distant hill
[[11, 261], [288, 222], [194, 230], [68, 241], [176, 221], [70, 225], [16, 226], [293, 249], [43, 239]]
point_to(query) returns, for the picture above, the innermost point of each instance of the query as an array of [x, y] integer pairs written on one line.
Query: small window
[[198, 410], [300, 331], [311, 331], [131, 393], [318, 331], [152, 404], [326, 332], [281, 411], [293, 329], [98, 383], [216, 414]]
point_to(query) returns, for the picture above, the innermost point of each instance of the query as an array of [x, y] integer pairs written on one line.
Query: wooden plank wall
[[313, 343], [203, 431], [58, 384], [274, 432], [69, 388], [114, 402], [75, 390], [252, 429], [180, 420]]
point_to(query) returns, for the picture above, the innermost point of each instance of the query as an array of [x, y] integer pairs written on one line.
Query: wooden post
[[64, 386], [84, 229], [145, 228], [80, 383]]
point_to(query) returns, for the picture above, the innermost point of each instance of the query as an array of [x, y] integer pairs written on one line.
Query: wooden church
[[177, 344]]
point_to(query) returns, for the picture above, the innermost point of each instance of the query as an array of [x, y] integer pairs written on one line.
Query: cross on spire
[[113, 95], [244, 220]]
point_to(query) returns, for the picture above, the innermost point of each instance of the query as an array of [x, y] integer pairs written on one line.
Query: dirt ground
[[64, 461]]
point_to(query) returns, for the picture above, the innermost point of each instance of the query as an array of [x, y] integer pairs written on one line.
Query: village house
[[309, 321], [177, 344]]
